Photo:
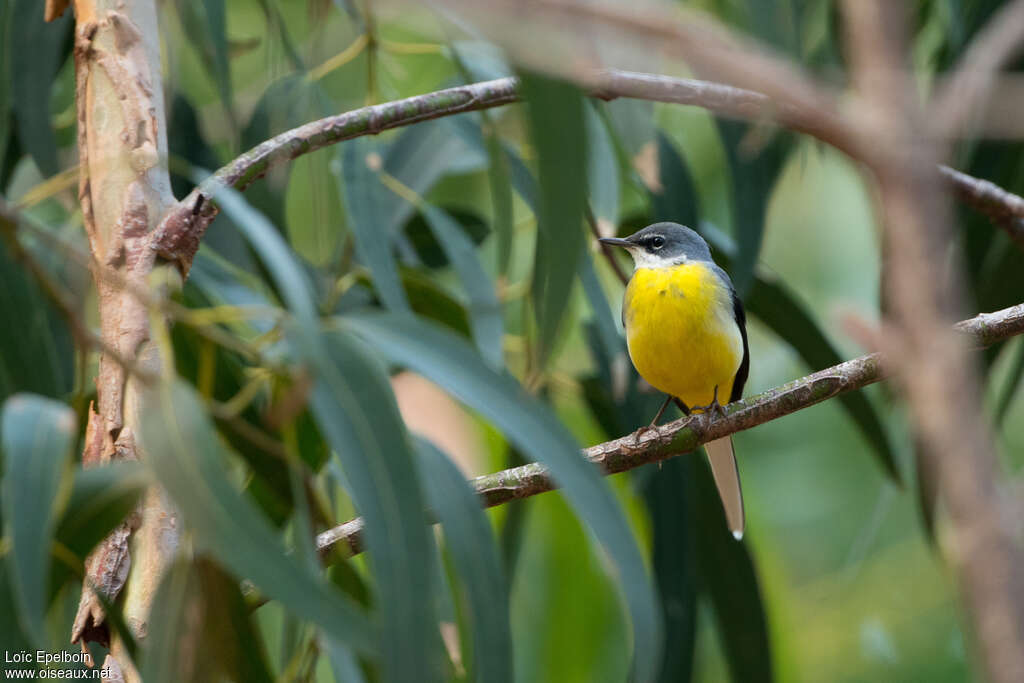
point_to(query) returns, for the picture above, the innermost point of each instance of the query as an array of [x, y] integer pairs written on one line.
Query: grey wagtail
[[687, 336]]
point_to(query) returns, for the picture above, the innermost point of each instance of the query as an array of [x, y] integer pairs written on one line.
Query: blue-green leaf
[[665, 493], [469, 539], [754, 172], [557, 131], [676, 200], [186, 455], [370, 208], [205, 22], [40, 357], [532, 428], [36, 51], [725, 570], [201, 629], [101, 497], [602, 167], [485, 314], [501, 199], [357, 413], [38, 434], [292, 281]]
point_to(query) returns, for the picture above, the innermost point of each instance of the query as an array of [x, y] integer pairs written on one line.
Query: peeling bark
[[124, 191]]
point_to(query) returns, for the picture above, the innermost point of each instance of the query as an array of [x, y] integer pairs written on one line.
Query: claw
[[714, 407]]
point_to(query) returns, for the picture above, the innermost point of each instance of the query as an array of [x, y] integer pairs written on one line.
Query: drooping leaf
[[665, 494], [370, 206], [602, 167], [188, 460], [725, 570], [38, 434], [354, 406], [557, 130], [755, 168], [201, 629], [447, 360], [676, 201], [428, 249], [36, 51], [39, 358], [469, 539], [6, 119], [205, 22], [1011, 384], [101, 497], [501, 200], [485, 313]]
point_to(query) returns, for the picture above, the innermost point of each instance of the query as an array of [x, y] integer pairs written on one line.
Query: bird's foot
[[715, 408]]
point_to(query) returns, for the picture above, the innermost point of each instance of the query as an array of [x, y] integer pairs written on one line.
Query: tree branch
[[178, 236], [685, 434]]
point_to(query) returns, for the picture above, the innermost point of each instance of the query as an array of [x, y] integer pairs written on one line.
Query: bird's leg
[[661, 411], [714, 407], [654, 423]]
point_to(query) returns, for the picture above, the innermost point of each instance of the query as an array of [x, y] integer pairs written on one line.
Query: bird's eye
[[657, 242]]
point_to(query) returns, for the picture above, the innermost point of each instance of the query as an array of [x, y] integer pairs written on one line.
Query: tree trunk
[[124, 190]]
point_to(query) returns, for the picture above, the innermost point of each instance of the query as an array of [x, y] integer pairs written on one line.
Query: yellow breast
[[682, 332]]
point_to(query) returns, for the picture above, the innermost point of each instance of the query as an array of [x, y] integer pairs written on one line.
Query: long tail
[[727, 480]]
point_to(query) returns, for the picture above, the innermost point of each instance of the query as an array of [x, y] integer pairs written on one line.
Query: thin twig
[[181, 230], [685, 434], [605, 249]]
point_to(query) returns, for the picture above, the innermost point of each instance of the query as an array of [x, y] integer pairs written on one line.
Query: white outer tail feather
[[727, 480]]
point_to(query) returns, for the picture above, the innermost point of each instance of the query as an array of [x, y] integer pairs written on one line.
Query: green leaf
[[501, 199], [485, 314], [201, 629], [780, 309], [754, 172], [101, 497], [189, 462], [40, 357], [1011, 384], [468, 537], [428, 250], [205, 22], [356, 410], [370, 206], [665, 493], [37, 436], [677, 199], [532, 428], [557, 131], [602, 167], [292, 281], [421, 154], [725, 570], [6, 12], [36, 51]]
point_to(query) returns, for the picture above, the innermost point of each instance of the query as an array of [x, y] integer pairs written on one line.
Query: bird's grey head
[[662, 245]]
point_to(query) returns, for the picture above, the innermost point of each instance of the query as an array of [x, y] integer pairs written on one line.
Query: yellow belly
[[681, 332]]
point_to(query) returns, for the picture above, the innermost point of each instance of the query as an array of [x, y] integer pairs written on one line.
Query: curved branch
[[178, 236], [685, 434]]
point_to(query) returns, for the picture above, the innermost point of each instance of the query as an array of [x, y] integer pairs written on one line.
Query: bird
[[687, 337]]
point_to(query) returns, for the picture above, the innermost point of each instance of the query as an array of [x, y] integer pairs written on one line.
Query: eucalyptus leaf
[[469, 539], [756, 165], [485, 313], [36, 51], [189, 462], [370, 208], [357, 413], [37, 436], [725, 570], [602, 167], [557, 130], [447, 361]]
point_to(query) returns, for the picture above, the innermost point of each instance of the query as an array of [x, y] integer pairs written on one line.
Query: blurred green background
[[852, 583]]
